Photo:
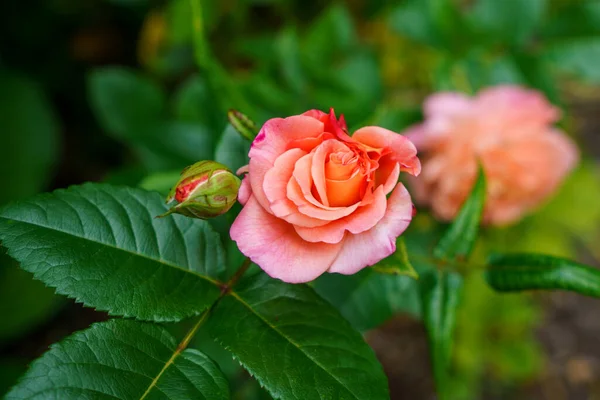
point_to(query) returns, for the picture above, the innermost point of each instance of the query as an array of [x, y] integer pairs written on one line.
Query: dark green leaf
[[295, 343], [440, 297], [173, 145], [29, 131], [516, 272], [24, 302], [509, 21], [578, 57], [287, 48], [194, 102], [122, 360], [459, 239], [124, 102], [398, 263], [103, 246], [368, 299]]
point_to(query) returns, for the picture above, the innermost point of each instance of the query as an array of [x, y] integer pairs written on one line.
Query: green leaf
[[459, 239], [121, 360], [125, 103], [516, 272], [440, 297], [29, 131], [368, 299], [573, 19], [232, 149], [508, 21], [398, 263], [287, 48], [295, 343], [102, 246], [578, 57]]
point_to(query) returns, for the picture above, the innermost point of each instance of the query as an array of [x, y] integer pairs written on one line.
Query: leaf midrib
[[141, 255], [266, 322]]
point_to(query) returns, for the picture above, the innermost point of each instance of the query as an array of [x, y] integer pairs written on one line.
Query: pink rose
[[509, 129], [315, 199]]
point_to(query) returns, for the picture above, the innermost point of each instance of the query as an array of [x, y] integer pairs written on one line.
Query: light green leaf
[[577, 56], [517, 272], [103, 246], [29, 131], [440, 297], [125, 103], [398, 263], [295, 344], [368, 299], [122, 360], [459, 239]]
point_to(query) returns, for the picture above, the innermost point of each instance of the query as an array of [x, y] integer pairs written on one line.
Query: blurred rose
[[316, 199], [509, 129]]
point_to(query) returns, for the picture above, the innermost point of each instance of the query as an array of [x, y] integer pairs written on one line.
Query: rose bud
[[206, 189]]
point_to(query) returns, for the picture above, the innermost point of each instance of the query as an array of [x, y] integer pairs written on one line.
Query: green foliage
[[440, 297], [122, 360], [30, 139], [312, 351], [515, 272], [398, 263], [460, 238], [132, 108], [577, 56], [509, 21], [368, 299], [102, 246]]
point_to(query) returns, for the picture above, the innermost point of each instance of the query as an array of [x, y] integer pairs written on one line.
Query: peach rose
[[509, 129], [315, 199]]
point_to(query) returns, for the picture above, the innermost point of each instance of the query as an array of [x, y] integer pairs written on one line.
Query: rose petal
[[275, 188], [275, 246], [370, 247], [305, 203], [363, 219], [245, 191], [404, 150], [271, 142]]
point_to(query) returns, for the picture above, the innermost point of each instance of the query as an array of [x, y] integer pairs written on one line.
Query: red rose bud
[[206, 189]]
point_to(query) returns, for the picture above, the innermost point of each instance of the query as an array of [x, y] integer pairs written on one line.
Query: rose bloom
[[316, 200], [506, 128]]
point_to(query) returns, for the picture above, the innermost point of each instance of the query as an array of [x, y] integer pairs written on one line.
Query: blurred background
[[112, 90]]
